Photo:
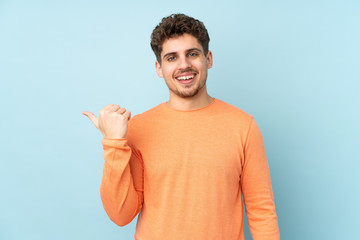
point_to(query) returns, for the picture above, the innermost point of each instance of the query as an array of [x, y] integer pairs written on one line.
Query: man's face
[[184, 65]]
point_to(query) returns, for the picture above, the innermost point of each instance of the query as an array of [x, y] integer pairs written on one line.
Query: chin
[[187, 94]]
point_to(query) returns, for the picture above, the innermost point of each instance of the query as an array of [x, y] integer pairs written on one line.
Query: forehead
[[180, 44]]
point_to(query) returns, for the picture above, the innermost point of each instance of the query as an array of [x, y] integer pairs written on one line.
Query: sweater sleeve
[[121, 187], [256, 188]]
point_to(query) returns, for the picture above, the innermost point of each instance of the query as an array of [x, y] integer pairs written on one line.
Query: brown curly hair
[[176, 25]]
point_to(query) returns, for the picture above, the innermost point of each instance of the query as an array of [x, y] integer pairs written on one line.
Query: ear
[[209, 59], [158, 69]]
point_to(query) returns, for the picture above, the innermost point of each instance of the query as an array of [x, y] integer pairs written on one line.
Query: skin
[[112, 121], [181, 56]]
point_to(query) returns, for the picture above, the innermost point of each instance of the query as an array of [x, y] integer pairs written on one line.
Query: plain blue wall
[[293, 65]]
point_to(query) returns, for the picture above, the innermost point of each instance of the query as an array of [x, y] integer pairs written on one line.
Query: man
[[185, 163]]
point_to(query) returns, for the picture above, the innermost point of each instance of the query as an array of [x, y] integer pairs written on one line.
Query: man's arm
[[256, 188], [121, 187], [122, 182]]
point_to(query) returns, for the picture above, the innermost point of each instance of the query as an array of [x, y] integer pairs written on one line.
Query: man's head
[[176, 25], [181, 44]]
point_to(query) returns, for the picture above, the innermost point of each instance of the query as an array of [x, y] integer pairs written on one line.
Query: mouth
[[186, 78]]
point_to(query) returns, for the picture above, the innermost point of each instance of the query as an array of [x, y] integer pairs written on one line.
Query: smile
[[184, 78]]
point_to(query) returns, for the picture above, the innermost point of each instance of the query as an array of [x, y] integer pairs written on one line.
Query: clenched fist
[[112, 121]]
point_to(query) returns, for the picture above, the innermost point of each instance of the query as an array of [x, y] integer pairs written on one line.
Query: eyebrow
[[174, 53]]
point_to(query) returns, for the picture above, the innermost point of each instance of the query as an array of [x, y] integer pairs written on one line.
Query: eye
[[172, 58], [193, 54]]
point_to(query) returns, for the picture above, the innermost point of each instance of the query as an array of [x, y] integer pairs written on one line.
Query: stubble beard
[[186, 94]]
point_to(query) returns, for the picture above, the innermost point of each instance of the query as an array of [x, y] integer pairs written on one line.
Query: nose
[[184, 63]]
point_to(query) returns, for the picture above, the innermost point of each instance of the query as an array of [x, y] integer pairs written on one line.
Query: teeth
[[185, 77]]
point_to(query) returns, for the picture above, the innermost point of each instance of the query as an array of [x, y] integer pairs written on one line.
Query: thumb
[[92, 118]]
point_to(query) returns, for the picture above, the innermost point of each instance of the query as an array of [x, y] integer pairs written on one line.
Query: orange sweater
[[185, 172]]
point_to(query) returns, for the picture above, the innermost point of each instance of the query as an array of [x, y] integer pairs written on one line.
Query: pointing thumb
[[92, 118]]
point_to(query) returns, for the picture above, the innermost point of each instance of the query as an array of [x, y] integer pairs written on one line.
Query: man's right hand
[[112, 121]]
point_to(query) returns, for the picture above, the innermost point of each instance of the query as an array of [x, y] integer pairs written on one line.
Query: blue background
[[293, 65]]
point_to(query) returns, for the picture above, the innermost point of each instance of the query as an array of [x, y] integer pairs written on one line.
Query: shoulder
[[232, 112], [140, 125], [146, 118], [236, 120], [147, 114]]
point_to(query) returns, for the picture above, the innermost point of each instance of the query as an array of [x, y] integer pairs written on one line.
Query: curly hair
[[176, 25]]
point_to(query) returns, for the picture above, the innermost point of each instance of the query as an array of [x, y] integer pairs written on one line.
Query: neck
[[200, 100]]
